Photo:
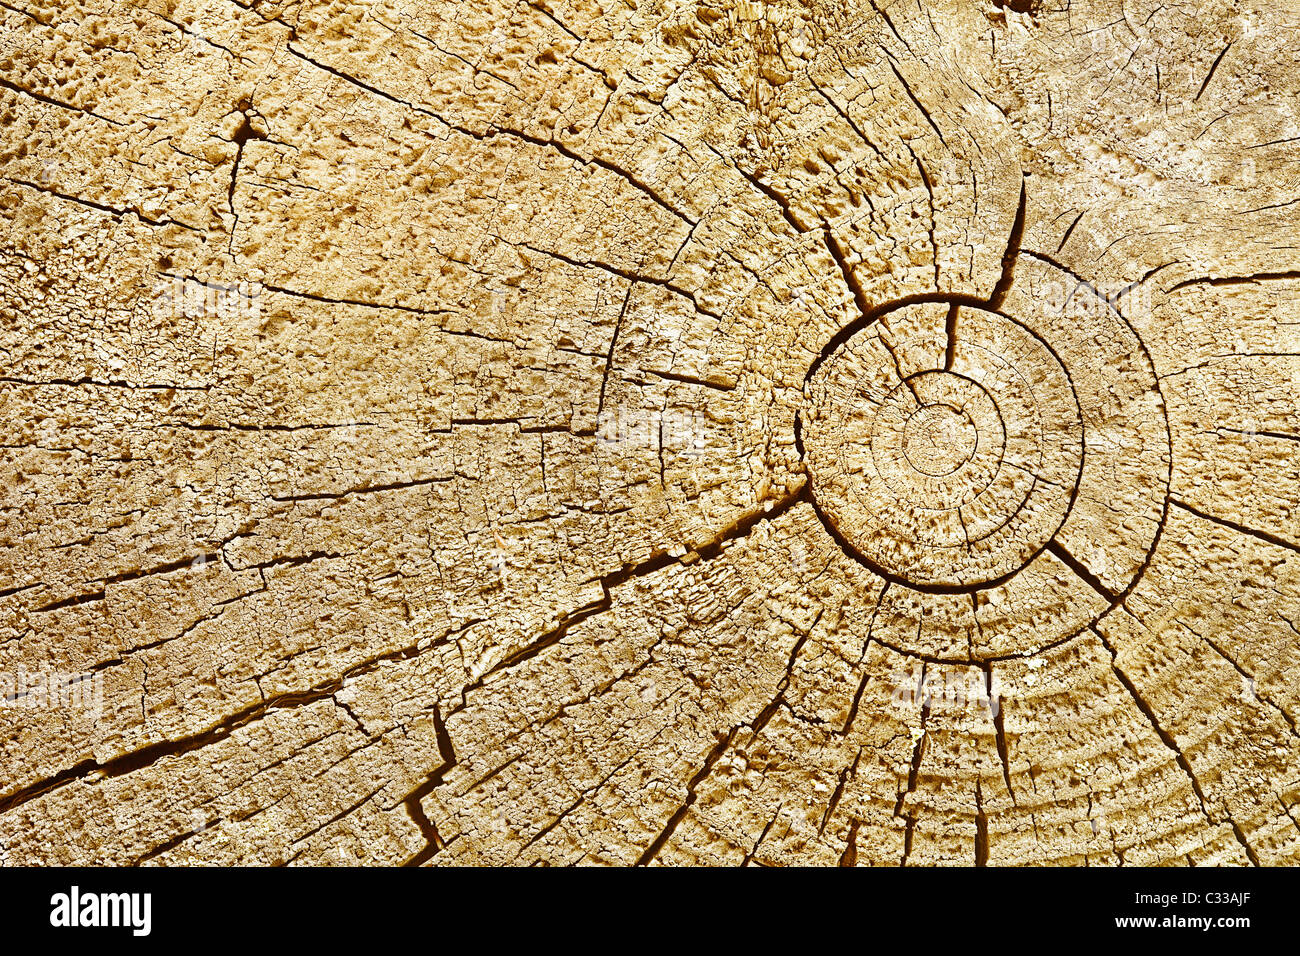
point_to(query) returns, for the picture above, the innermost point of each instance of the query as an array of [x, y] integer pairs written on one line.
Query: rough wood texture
[[670, 432]]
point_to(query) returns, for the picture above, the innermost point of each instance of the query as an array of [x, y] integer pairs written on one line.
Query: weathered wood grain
[[565, 431]]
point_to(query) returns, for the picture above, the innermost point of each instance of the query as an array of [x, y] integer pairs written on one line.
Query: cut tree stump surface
[[650, 433]]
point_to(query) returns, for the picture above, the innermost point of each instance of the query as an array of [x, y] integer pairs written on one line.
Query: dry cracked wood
[[730, 432]]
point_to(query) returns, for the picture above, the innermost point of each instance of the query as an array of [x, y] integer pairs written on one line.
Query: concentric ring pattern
[[684, 431], [952, 447]]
